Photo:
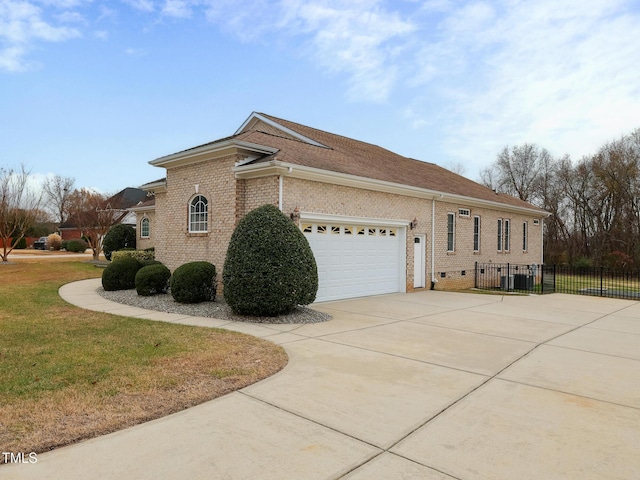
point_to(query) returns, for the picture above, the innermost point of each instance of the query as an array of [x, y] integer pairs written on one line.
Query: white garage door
[[356, 260]]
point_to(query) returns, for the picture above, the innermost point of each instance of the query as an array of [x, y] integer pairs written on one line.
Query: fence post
[[555, 277], [475, 280], [601, 279]]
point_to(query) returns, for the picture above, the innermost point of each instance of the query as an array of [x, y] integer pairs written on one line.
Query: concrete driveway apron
[[429, 385]]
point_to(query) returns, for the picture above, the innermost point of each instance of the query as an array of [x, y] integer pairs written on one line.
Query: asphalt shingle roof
[[353, 157]]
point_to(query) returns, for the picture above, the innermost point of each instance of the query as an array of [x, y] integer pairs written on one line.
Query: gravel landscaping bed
[[218, 309]]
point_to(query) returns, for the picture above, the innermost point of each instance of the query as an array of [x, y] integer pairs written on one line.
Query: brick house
[[376, 221]]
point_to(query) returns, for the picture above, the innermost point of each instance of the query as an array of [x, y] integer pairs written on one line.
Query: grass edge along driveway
[[68, 374]]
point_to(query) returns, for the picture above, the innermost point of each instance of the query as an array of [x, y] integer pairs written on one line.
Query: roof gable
[[274, 126]]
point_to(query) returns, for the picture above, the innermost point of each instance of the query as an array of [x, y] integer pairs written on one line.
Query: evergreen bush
[[117, 238], [194, 282], [152, 279], [77, 245], [140, 255], [120, 274], [270, 268], [19, 243]]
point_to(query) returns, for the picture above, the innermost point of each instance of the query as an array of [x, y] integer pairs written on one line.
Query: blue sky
[[95, 89]]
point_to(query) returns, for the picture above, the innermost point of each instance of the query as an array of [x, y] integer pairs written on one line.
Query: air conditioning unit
[[506, 282]]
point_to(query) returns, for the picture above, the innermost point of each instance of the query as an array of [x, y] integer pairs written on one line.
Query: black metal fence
[[542, 279]]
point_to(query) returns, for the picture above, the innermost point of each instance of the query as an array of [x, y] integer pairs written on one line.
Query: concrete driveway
[[430, 385]]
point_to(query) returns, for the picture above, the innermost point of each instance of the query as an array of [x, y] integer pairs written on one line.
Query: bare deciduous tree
[[91, 213], [57, 190], [19, 207]]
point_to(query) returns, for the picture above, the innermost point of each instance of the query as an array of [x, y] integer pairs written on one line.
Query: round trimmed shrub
[[76, 245], [54, 241], [194, 282], [117, 238], [152, 279], [120, 274], [270, 268]]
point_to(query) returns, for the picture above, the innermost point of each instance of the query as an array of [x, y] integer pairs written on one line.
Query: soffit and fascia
[[276, 167], [211, 151]]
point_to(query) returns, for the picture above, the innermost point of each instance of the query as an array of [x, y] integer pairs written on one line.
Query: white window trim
[[479, 233], [507, 235], [453, 218], [148, 222], [206, 221]]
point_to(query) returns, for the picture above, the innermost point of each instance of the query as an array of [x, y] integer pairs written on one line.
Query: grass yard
[[68, 374]]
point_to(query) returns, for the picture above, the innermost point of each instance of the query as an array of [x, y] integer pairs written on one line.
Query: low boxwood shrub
[[152, 279], [120, 274], [194, 282], [140, 255], [77, 245], [270, 268], [118, 237]]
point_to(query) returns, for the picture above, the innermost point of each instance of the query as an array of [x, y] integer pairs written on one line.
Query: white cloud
[[560, 74], [359, 38], [142, 5], [177, 9], [135, 52], [21, 25]]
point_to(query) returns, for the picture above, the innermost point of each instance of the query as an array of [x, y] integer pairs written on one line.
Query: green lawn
[[69, 374]]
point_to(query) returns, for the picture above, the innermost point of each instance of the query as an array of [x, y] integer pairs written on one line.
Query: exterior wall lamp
[[295, 215], [413, 224]]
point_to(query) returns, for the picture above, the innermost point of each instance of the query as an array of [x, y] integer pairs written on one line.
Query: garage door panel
[[352, 264]]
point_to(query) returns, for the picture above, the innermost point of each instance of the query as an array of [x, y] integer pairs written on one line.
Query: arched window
[[198, 214], [145, 228]]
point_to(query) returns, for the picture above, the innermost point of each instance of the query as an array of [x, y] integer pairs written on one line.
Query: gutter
[[276, 167]]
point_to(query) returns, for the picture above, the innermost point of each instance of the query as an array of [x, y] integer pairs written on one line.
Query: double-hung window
[[451, 232], [525, 235], [507, 235], [476, 233], [499, 234], [198, 214]]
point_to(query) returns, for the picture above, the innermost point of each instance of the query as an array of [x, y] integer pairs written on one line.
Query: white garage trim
[[356, 256], [343, 219]]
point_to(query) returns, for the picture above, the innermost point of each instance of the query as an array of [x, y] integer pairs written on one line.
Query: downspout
[[433, 244], [541, 242], [281, 188]]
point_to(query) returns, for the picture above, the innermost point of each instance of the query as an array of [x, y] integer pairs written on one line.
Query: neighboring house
[[377, 222], [120, 203]]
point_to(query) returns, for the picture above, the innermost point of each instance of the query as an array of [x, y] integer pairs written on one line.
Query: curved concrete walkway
[[430, 385]]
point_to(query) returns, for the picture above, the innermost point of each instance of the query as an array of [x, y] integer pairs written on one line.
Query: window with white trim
[[507, 234], [499, 234], [476, 233], [451, 232], [199, 214], [525, 234], [464, 212], [145, 227]]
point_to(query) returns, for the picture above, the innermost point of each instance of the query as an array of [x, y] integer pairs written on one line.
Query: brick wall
[[458, 265], [214, 179], [231, 199], [143, 243]]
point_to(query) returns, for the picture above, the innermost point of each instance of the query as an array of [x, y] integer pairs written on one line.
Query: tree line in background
[[594, 203], [29, 210]]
